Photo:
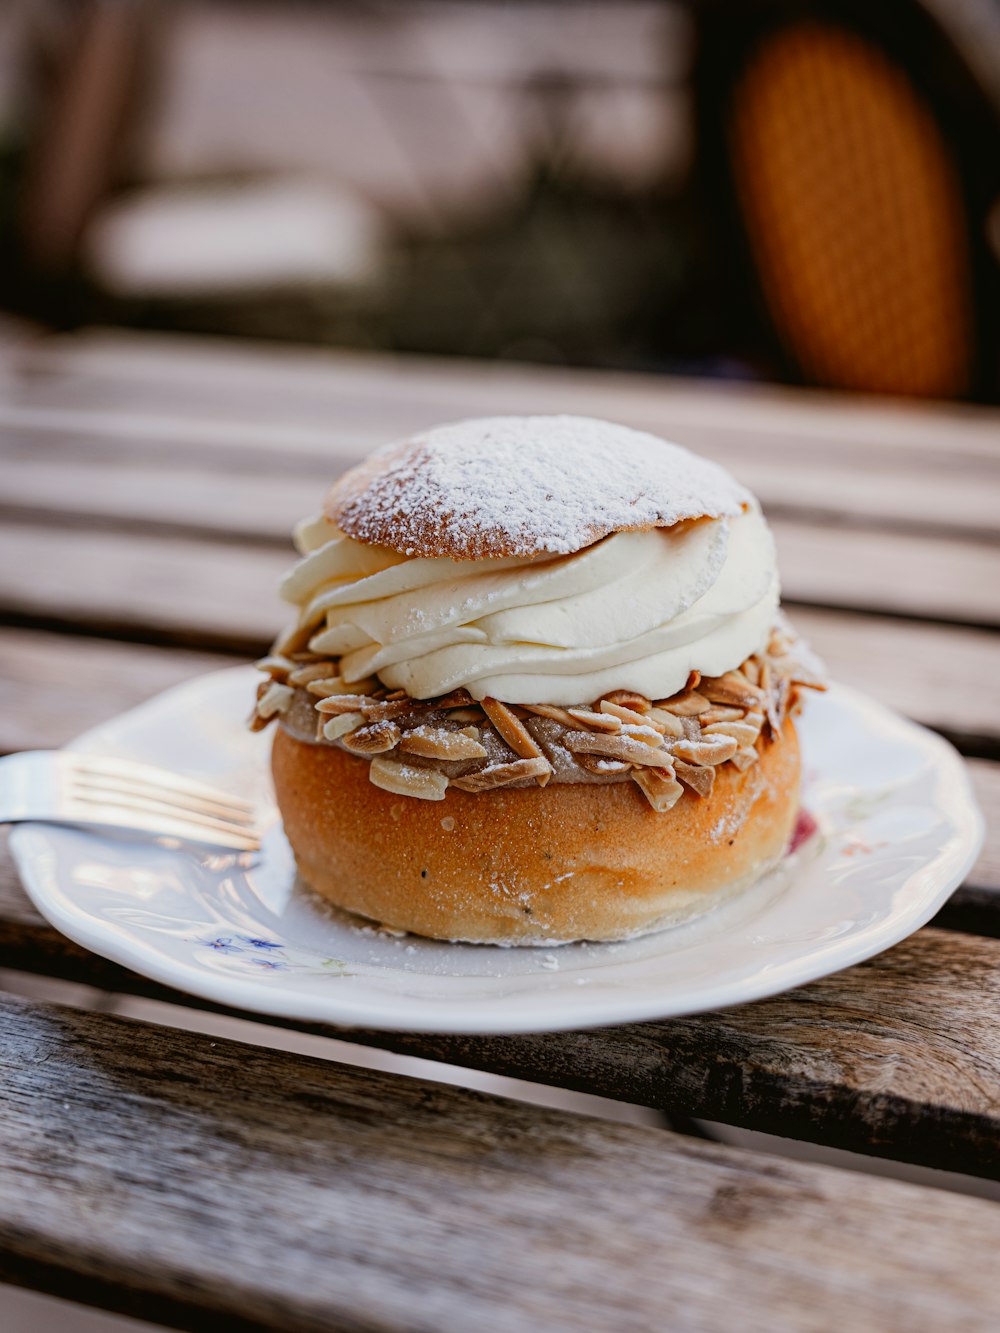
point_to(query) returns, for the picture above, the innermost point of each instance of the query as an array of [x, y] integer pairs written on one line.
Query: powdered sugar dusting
[[519, 486]]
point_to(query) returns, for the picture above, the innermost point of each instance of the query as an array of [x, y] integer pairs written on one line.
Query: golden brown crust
[[530, 865], [501, 487]]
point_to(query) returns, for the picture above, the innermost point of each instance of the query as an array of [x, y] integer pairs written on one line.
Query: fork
[[63, 787]]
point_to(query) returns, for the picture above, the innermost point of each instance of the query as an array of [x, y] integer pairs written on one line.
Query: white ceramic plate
[[898, 830]]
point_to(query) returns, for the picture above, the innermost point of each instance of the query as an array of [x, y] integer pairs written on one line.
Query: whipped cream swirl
[[636, 610]]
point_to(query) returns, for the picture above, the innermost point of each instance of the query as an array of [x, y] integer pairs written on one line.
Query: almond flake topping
[[275, 666], [439, 743], [516, 734], [628, 699], [338, 727], [617, 747], [623, 714], [555, 714], [701, 780], [275, 699], [686, 704], [741, 733], [732, 688], [343, 703], [374, 739], [659, 786], [606, 720], [426, 784], [501, 775], [708, 750]]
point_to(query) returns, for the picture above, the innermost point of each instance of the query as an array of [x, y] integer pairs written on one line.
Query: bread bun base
[[539, 866]]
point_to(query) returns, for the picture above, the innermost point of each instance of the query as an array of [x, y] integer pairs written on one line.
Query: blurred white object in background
[[191, 240]]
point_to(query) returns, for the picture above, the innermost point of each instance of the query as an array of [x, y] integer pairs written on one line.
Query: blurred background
[[785, 190]]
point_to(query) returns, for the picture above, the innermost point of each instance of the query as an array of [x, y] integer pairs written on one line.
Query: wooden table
[[147, 491]]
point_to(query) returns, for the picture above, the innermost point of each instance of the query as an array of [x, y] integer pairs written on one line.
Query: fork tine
[[158, 779], [158, 824], [117, 789], [156, 811]]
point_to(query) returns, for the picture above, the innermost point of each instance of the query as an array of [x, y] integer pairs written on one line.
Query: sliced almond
[[628, 699], [623, 714], [275, 699], [553, 713], [719, 714], [340, 725], [426, 784], [745, 757], [342, 703], [700, 779], [690, 728], [601, 765], [302, 675], [686, 704], [375, 739], [324, 686], [439, 743], [466, 714], [616, 747], [502, 775], [648, 735], [516, 734], [666, 722], [751, 670], [731, 689], [257, 723], [381, 710], [457, 699], [741, 733], [606, 720], [276, 666], [775, 705], [707, 750], [659, 786]]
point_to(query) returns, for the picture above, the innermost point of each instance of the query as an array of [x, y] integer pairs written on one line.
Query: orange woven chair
[[852, 156]]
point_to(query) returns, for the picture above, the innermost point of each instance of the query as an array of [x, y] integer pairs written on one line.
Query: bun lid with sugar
[[501, 487]]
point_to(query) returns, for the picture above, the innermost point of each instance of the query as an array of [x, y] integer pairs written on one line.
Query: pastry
[[538, 687]]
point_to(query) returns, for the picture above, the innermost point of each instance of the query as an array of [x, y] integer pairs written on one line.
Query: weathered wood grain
[[926, 467], [931, 576], [200, 594], [187, 1180], [53, 687], [899, 1057], [941, 676]]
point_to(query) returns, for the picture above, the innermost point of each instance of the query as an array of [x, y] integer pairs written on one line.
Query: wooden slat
[[896, 573], [204, 594], [927, 467], [943, 677], [899, 1056], [53, 687], [188, 1181], [807, 478], [822, 564], [102, 369]]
